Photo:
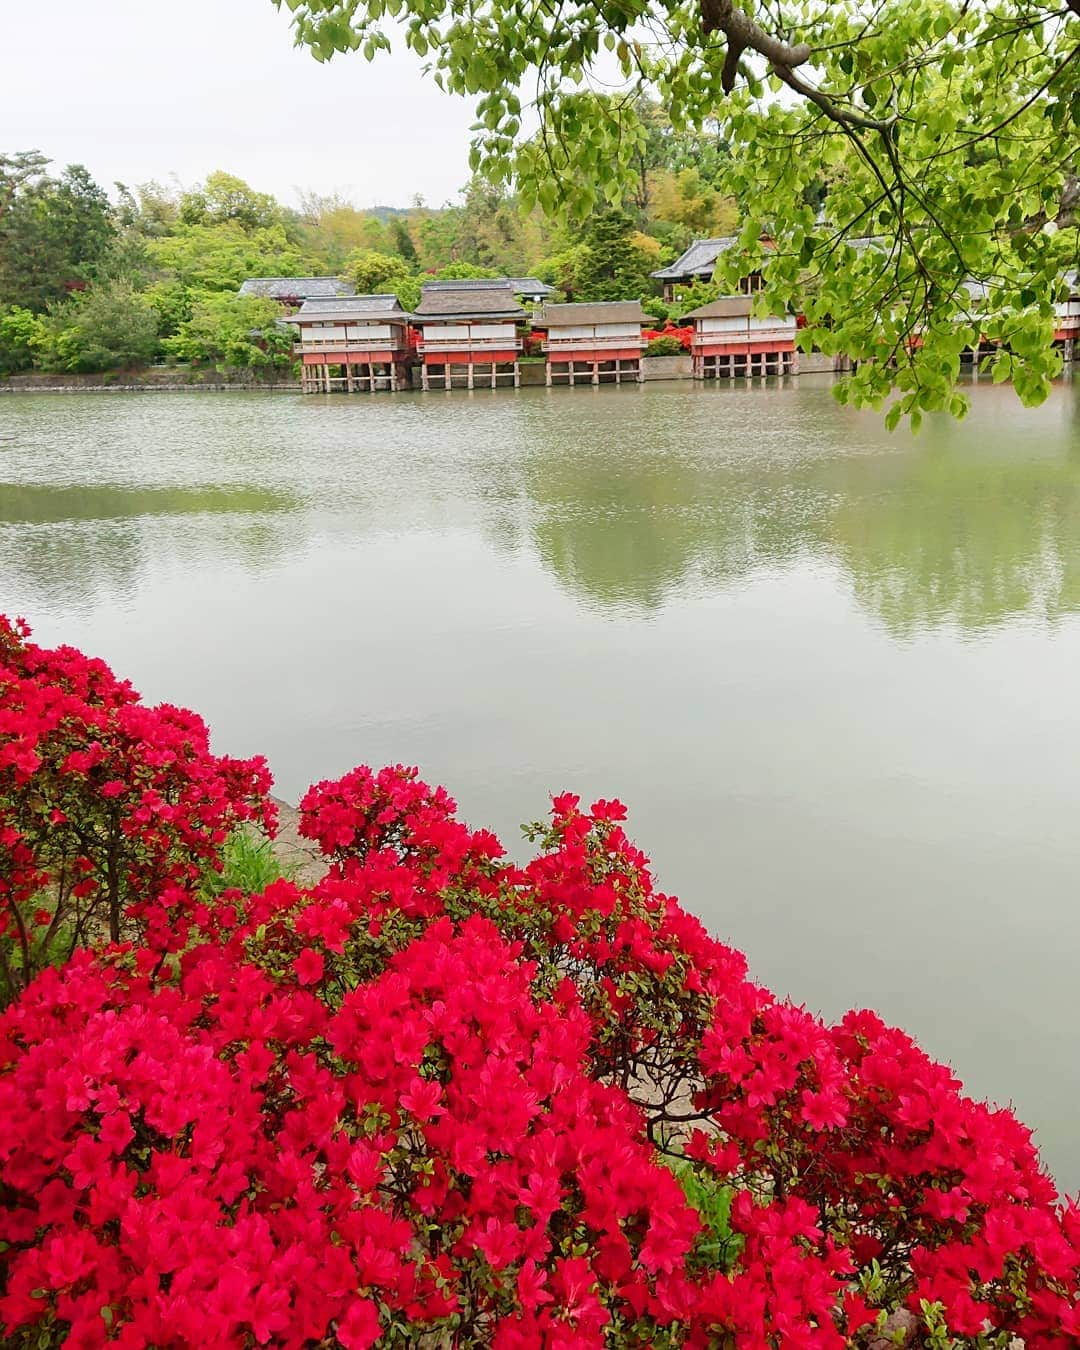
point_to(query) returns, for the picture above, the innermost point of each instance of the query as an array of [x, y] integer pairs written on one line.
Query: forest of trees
[[92, 280]]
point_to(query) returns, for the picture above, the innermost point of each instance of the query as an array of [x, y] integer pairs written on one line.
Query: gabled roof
[[296, 288], [698, 260], [386, 308], [723, 307], [607, 311], [469, 284], [517, 285], [530, 286], [464, 300]]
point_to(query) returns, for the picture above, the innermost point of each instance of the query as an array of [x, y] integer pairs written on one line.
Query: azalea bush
[[669, 340], [105, 803], [439, 1098]]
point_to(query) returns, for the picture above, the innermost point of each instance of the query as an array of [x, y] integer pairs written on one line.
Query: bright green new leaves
[[912, 175], [375, 273], [20, 330], [110, 326], [221, 257], [233, 331]]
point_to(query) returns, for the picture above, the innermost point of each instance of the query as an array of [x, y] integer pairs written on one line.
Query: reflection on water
[[950, 529], [832, 671]]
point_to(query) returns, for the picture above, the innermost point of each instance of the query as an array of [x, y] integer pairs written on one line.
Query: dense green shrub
[[20, 330], [664, 346], [233, 331], [108, 326]]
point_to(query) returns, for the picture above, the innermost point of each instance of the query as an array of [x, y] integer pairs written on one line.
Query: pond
[[833, 672]]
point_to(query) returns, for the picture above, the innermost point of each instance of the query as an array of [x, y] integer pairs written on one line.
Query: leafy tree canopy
[[233, 331], [221, 257], [843, 122], [224, 198], [374, 273], [55, 233], [613, 264]]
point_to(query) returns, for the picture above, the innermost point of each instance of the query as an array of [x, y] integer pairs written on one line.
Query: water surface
[[833, 672]]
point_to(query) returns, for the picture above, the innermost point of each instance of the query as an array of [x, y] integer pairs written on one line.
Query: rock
[[300, 857], [899, 1330]]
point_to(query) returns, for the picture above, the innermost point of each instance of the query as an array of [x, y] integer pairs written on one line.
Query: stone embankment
[[300, 858], [127, 381]]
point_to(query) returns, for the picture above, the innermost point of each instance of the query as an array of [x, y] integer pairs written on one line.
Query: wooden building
[[468, 334], [594, 343], [698, 263], [353, 343], [729, 341], [1067, 319]]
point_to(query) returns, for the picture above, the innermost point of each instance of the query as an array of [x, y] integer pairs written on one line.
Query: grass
[[249, 864]]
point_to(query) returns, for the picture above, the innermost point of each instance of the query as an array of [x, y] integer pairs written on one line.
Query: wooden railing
[[592, 344]]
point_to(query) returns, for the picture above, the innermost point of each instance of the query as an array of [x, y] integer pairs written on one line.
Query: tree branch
[[742, 32]]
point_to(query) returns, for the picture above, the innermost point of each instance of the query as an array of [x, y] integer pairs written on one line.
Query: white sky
[[140, 89]]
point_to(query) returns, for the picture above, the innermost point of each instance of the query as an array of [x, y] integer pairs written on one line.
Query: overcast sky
[[140, 89]]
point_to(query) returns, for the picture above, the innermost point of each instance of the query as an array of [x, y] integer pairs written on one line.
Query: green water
[[834, 673]]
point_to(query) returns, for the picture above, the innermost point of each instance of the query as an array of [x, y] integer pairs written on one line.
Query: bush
[[442, 1098], [20, 333], [664, 346], [656, 309], [107, 806], [669, 340], [110, 325], [233, 332]]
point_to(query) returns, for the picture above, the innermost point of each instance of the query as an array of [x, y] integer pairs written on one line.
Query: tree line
[[93, 281]]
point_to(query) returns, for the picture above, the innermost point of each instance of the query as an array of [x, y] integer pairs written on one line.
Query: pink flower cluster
[[441, 1098], [104, 804]]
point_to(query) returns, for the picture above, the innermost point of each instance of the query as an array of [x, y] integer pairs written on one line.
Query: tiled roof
[[462, 300], [296, 288], [530, 286], [698, 260], [517, 285], [723, 307], [609, 311], [385, 307]]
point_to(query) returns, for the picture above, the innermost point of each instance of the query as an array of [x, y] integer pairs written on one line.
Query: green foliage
[[332, 228], [612, 266], [719, 1245], [885, 129], [108, 326], [233, 331], [656, 308], [463, 271], [248, 863], [403, 240], [563, 270], [664, 346], [225, 199], [692, 296], [54, 232], [172, 302], [221, 257], [20, 332], [374, 273]]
